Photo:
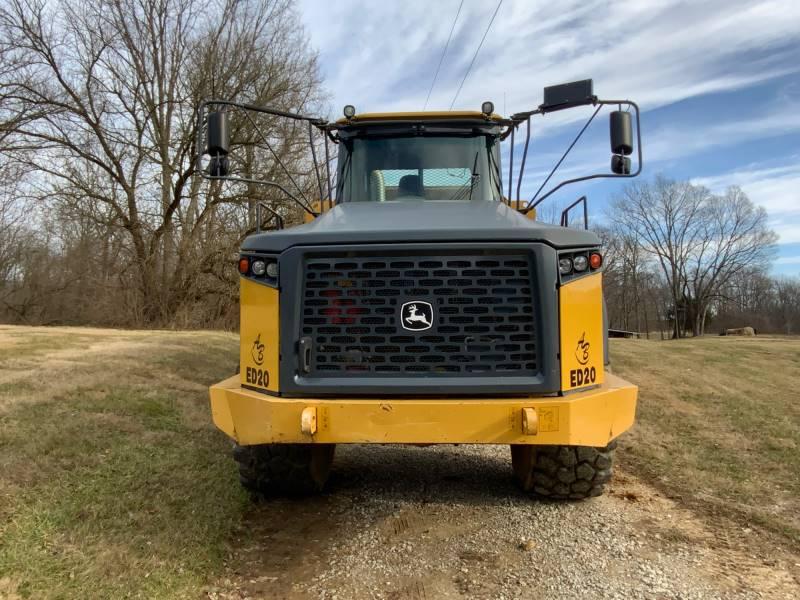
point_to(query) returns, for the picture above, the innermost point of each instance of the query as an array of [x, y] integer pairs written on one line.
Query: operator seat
[[410, 185]]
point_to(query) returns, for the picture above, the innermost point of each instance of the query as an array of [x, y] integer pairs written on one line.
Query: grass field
[[719, 425], [114, 483]]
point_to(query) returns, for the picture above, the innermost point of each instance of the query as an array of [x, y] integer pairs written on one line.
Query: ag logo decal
[[582, 350], [586, 375], [416, 316], [257, 351], [259, 377]]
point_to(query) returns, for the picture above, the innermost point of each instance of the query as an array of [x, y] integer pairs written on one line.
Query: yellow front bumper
[[590, 418]]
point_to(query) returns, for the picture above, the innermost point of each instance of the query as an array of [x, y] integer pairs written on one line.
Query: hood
[[424, 221]]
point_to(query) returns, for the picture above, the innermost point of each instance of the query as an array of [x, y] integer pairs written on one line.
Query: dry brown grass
[[718, 425], [113, 481]]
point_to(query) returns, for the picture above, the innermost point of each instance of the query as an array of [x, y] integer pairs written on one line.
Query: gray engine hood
[[438, 221]]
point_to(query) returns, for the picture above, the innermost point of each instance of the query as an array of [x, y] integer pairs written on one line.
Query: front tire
[[563, 472], [284, 469]]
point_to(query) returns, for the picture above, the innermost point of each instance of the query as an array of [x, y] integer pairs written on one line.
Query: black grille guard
[[411, 319]]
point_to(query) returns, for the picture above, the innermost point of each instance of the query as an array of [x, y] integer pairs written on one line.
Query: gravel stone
[[409, 523]]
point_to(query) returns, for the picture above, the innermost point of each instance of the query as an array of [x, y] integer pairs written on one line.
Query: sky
[[718, 83]]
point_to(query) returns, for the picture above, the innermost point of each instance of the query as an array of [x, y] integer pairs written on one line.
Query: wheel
[[286, 469], [563, 472]]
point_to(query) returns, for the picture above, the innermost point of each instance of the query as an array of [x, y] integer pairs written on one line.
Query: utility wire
[[485, 33], [441, 58]]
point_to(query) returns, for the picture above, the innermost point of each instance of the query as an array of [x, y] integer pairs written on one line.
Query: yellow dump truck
[[420, 304]]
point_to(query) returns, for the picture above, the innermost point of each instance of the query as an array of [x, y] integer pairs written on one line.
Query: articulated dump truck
[[420, 302]]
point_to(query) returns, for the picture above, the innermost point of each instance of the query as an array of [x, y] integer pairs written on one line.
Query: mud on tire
[[284, 469], [563, 472]]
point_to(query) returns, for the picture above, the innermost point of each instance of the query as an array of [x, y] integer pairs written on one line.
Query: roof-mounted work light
[[487, 108], [349, 111]]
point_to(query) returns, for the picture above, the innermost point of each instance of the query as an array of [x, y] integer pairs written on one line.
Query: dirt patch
[[447, 522]]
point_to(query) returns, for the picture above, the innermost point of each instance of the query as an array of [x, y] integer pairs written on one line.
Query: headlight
[[272, 270], [580, 263], [258, 267], [564, 266]]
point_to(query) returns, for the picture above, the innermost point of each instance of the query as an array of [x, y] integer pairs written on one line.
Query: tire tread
[[571, 472], [284, 469]]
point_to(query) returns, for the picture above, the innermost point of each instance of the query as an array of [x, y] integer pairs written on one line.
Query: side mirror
[[620, 165], [621, 135], [218, 143], [621, 132], [219, 166]]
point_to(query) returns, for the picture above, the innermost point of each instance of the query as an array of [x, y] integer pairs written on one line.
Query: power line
[[441, 58], [485, 33]]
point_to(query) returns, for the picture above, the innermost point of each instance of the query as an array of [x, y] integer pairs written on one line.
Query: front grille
[[482, 325]]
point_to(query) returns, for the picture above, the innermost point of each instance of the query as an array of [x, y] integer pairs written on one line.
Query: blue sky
[[718, 83]]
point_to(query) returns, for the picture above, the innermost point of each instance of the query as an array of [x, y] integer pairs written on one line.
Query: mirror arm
[[261, 182], [511, 166], [316, 121], [198, 144], [278, 218], [524, 157], [316, 165], [306, 204], [328, 173], [201, 111], [518, 118], [532, 204]]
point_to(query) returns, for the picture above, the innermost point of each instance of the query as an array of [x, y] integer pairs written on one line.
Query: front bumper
[[588, 418]]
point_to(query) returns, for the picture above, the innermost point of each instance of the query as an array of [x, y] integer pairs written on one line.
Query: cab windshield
[[414, 168]]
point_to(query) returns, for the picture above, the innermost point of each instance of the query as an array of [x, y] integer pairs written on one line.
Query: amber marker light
[[244, 265], [595, 260]]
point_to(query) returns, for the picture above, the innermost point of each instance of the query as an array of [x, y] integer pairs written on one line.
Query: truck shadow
[[376, 493], [467, 473]]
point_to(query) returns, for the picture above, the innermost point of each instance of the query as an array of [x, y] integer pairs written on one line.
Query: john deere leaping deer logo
[[416, 316], [257, 351], [582, 351]]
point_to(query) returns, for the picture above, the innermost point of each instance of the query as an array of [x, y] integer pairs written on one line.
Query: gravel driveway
[[447, 522]]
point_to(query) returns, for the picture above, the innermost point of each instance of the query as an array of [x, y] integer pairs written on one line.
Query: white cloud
[[667, 143], [788, 230], [381, 56], [788, 260], [776, 188]]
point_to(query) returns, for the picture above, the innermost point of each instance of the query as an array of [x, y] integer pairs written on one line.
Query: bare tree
[[734, 237], [665, 217], [631, 282], [699, 242], [10, 230], [751, 297], [117, 83], [787, 305]]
